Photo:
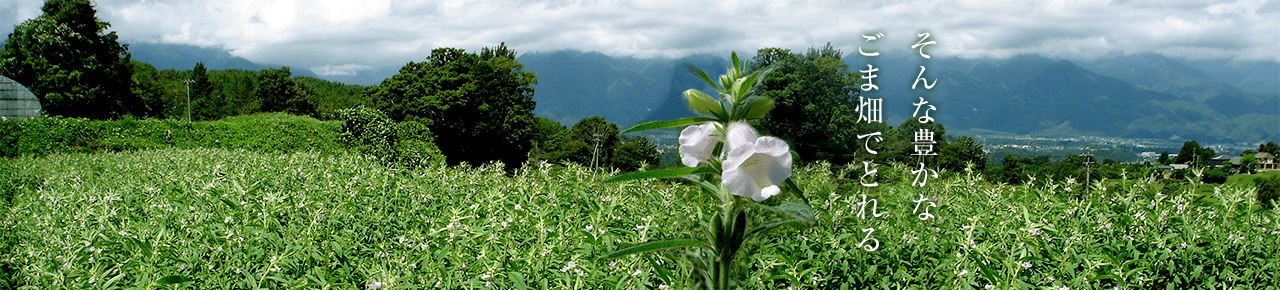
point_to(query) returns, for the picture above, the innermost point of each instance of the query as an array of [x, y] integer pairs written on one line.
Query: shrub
[[1268, 190], [371, 132], [1215, 175]]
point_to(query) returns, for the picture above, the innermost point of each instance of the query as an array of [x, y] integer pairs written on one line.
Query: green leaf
[[802, 213], [657, 245], [517, 281], [739, 231], [666, 124], [795, 188], [769, 227], [174, 279], [702, 103], [702, 75], [677, 172], [711, 189], [757, 108]]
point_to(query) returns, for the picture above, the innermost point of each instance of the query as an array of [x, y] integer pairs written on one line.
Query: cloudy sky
[[334, 37]]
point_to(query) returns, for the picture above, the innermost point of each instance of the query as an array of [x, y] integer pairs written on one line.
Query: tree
[[1193, 154], [579, 145], [205, 103], [146, 86], [480, 106], [634, 152], [279, 92], [962, 151], [545, 134], [1010, 170], [1164, 158], [899, 145], [1269, 147], [600, 136], [814, 96], [68, 60], [1248, 163]]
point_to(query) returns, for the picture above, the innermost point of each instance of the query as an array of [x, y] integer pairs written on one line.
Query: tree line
[[473, 107]]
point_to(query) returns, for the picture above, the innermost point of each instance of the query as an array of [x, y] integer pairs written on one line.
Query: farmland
[[210, 216]]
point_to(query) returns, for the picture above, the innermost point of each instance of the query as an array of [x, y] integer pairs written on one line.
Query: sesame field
[[235, 219]]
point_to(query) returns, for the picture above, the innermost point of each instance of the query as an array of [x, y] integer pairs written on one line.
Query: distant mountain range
[[185, 57], [1131, 96], [1135, 96]]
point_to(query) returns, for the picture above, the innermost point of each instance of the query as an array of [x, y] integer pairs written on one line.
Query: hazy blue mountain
[[184, 57], [574, 85], [1138, 96]]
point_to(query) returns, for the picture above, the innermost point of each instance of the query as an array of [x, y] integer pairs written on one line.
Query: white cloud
[[339, 70], [383, 33]]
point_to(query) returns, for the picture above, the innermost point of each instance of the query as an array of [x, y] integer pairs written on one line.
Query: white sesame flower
[[697, 142], [756, 165]]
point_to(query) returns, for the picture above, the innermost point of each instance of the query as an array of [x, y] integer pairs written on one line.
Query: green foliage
[[235, 92], [1011, 170], [206, 104], [899, 144], [478, 105], [1216, 175], [242, 219], [278, 92], [1268, 191], [1194, 155], [961, 152], [1248, 163], [1270, 147], [68, 60], [408, 143], [276, 133], [634, 153], [332, 96], [814, 97], [1164, 158], [558, 144], [148, 88]]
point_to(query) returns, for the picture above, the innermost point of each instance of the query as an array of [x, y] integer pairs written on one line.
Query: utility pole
[[1088, 163], [188, 81], [595, 154]]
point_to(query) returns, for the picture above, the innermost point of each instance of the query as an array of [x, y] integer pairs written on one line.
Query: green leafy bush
[[1215, 175], [371, 132], [1268, 191]]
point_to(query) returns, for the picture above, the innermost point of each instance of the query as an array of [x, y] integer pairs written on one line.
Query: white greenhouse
[[16, 101]]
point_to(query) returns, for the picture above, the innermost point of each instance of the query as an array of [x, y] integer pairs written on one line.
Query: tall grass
[[217, 218]]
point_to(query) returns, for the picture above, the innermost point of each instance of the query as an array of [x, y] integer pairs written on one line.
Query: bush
[[1268, 190], [371, 132], [1215, 175], [415, 146]]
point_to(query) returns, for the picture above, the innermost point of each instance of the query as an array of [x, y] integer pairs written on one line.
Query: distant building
[[16, 101], [1265, 160], [1220, 160]]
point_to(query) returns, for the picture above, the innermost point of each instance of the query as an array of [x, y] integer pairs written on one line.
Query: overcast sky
[[335, 37]]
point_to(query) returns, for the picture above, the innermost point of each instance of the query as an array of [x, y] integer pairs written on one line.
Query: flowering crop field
[[222, 219]]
